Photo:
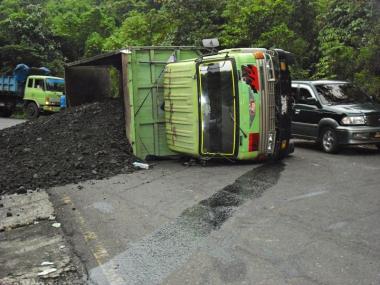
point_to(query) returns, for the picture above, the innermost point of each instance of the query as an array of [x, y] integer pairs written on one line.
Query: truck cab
[[42, 94], [234, 105]]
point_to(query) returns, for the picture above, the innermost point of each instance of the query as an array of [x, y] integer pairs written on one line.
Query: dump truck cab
[[43, 94], [234, 104]]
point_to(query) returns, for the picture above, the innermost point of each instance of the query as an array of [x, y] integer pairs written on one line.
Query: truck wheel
[[6, 113], [378, 146], [283, 153], [32, 110], [329, 140]]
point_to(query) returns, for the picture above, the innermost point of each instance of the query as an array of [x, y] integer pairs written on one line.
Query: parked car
[[334, 113]]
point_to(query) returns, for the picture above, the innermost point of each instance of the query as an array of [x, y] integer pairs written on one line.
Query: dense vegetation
[[331, 38]]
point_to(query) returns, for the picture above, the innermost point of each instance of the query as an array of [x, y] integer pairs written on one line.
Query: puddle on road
[[152, 259]]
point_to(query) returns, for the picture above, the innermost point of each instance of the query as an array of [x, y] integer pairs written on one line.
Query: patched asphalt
[[311, 219], [33, 249]]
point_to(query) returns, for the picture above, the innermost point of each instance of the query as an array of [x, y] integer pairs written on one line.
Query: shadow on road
[[347, 150]]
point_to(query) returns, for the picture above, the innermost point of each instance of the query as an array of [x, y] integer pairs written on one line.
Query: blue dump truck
[[32, 88]]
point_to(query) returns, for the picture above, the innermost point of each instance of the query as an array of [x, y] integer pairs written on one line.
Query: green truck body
[[145, 102], [234, 105], [178, 102]]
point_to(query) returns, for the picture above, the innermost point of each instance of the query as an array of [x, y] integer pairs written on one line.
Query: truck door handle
[[297, 111]]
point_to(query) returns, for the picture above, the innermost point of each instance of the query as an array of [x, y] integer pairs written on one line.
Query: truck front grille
[[268, 117]]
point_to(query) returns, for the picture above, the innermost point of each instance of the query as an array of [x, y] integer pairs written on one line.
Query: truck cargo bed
[[8, 85]]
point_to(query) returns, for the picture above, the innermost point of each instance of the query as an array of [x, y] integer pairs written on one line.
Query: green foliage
[[330, 38], [79, 25], [141, 29], [194, 20], [26, 37], [349, 42], [273, 23]]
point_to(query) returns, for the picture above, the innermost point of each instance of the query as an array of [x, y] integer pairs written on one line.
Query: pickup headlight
[[353, 120]]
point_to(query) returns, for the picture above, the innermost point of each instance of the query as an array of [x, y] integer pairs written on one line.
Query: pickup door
[[306, 113]]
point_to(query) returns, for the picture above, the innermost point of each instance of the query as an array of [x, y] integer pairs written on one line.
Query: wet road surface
[[312, 219]]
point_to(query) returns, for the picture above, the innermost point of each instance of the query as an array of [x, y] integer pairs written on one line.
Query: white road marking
[[309, 195]]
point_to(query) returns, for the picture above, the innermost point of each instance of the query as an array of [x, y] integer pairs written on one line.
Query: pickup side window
[[294, 93], [39, 84], [30, 83], [303, 95]]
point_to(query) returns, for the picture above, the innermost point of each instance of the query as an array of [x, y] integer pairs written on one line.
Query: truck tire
[[32, 111], [329, 140], [6, 113], [283, 153]]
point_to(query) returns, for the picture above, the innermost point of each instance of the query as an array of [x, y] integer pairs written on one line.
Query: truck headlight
[[353, 120]]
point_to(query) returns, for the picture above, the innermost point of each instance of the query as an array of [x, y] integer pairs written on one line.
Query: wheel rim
[[328, 140]]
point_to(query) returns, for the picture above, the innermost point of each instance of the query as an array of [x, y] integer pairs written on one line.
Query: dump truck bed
[[141, 72], [8, 84]]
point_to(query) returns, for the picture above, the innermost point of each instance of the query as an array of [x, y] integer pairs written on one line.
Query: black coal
[[82, 143]]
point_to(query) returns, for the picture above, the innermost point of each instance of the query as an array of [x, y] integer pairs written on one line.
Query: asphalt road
[[312, 219], [6, 123]]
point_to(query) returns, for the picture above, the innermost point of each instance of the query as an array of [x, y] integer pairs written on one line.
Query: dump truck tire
[[32, 111], [283, 153]]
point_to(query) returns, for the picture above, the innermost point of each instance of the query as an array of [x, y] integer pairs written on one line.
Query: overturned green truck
[[234, 104]]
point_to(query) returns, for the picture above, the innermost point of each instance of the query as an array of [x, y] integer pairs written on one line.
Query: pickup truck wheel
[[32, 110], [378, 146], [329, 140]]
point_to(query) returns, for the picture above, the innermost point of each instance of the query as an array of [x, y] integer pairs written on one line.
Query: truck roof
[[45, 76], [241, 50], [318, 82]]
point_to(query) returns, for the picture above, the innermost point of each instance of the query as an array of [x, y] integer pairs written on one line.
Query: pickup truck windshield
[[53, 84], [341, 94]]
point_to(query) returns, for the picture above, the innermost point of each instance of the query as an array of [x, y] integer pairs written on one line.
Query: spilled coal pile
[[85, 142]]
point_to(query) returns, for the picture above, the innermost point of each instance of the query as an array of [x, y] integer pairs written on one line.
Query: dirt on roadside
[[82, 143]]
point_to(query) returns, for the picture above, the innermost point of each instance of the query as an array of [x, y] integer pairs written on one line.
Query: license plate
[[377, 135], [2, 104]]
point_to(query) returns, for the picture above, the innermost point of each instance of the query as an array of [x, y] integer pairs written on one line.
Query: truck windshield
[[54, 84], [217, 107], [342, 93]]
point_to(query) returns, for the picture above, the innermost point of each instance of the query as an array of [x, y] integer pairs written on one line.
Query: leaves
[[348, 43], [330, 38]]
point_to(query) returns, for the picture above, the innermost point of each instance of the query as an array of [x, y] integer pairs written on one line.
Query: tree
[[77, 23], [271, 24], [246, 21], [348, 43], [26, 38], [194, 20], [151, 28]]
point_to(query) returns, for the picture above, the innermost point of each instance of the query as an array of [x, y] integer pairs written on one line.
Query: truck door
[[306, 113], [217, 108], [29, 88]]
